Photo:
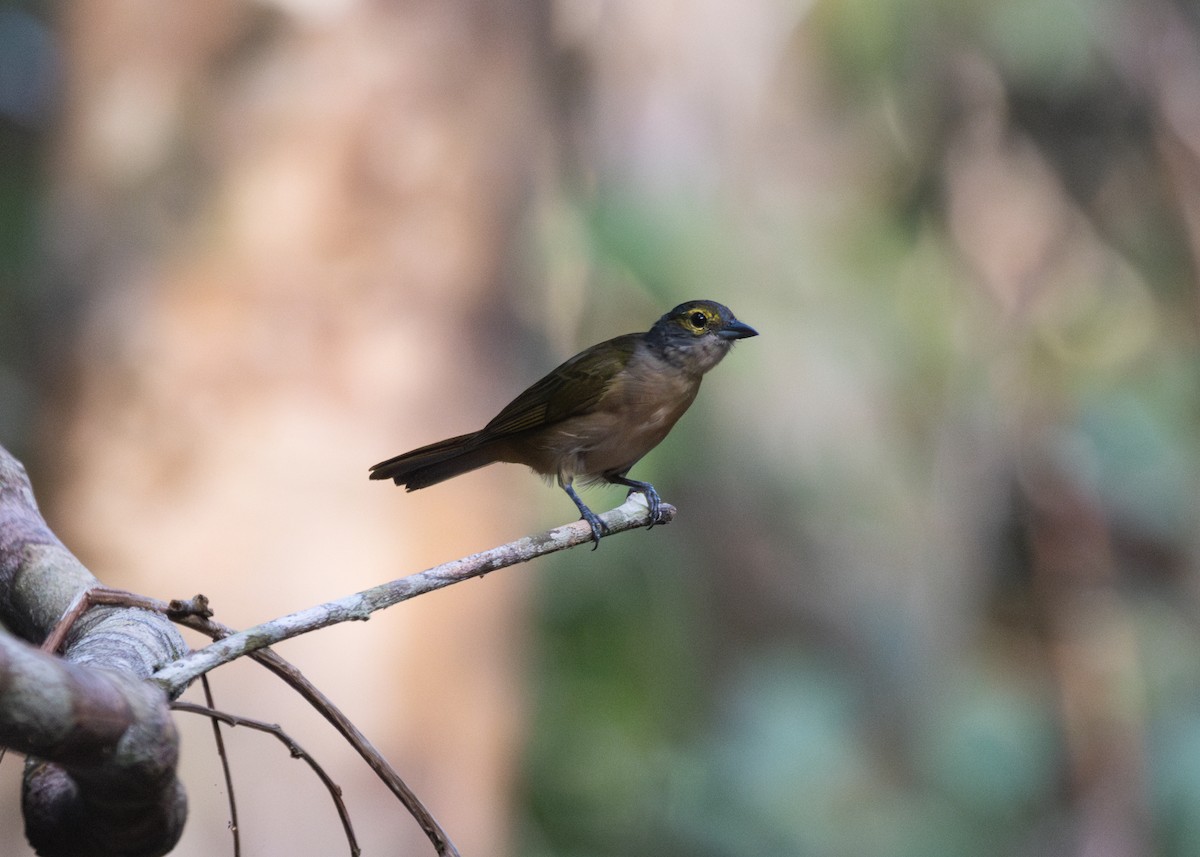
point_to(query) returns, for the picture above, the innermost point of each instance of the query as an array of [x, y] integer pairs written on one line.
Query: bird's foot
[[653, 502], [599, 528]]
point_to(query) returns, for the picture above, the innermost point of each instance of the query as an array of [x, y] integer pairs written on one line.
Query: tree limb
[[175, 676], [100, 777]]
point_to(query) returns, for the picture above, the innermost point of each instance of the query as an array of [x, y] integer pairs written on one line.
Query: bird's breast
[[640, 407]]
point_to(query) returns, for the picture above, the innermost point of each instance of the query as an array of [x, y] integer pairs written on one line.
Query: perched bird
[[594, 416]]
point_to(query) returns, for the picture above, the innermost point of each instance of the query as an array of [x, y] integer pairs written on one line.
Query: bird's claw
[[653, 503], [599, 528]]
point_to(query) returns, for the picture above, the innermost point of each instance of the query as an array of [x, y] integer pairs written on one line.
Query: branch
[[174, 677], [113, 775], [219, 740], [112, 787], [296, 751], [354, 736], [195, 614]]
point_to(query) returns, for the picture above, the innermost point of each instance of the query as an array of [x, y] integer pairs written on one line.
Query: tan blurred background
[[933, 585]]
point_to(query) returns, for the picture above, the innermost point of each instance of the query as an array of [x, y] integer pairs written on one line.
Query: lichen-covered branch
[[358, 607], [108, 786]]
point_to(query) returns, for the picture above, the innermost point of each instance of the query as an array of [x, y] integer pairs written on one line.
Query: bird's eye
[[699, 320]]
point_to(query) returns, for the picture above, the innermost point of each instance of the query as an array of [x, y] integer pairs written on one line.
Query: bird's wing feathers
[[571, 389]]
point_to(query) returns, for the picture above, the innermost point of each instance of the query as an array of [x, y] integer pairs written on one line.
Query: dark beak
[[736, 330]]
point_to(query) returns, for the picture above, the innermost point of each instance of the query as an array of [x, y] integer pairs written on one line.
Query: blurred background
[[933, 585]]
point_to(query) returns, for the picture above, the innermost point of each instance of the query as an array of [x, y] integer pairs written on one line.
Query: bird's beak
[[736, 330]]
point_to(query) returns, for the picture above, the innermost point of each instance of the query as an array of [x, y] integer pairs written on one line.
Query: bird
[[595, 416]]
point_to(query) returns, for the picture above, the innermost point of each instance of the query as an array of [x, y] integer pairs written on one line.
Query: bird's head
[[697, 334]]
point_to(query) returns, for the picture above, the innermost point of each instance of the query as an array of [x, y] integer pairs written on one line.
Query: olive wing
[[571, 389]]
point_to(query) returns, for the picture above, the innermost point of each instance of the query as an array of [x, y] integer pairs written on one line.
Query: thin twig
[[386, 773], [98, 596], [297, 752], [219, 740], [79, 605], [358, 607]]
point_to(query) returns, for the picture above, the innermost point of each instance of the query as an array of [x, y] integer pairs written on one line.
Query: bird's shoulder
[[569, 390]]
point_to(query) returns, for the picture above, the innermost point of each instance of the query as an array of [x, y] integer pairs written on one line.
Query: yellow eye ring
[[698, 320]]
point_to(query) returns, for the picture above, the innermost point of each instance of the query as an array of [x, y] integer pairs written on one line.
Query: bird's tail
[[435, 463]]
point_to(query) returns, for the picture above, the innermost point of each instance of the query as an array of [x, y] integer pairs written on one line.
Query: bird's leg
[[598, 527], [653, 501]]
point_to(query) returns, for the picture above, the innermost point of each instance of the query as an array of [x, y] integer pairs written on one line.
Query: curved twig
[[386, 773], [297, 752]]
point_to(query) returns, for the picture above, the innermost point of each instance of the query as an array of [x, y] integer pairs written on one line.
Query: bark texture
[[100, 743]]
